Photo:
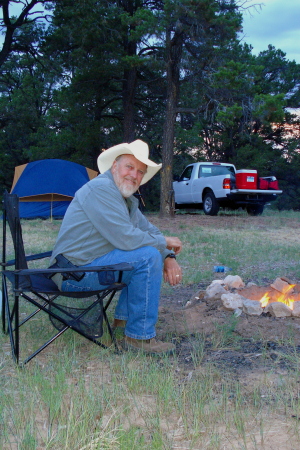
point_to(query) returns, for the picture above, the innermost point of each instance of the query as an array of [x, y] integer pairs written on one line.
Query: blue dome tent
[[46, 187]]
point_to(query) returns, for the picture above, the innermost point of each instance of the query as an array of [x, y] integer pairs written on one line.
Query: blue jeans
[[138, 302]]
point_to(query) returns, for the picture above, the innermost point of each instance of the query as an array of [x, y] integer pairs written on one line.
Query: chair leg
[[45, 345], [108, 302], [111, 334], [4, 299], [12, 322], [13, 331], [17, 333]]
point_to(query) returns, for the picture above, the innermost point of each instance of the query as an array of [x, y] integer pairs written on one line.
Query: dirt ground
[[258, 352], [249, 342], [238, 344]]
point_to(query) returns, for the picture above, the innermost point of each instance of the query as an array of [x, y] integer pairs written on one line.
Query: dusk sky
[[277, 22], [273, 22]]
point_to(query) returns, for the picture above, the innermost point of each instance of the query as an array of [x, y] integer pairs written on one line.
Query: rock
[[250, 284], [252, 307], [234, 282], [296, 309], [189, 303], [288, 280], [278, 309], [282, 286], [237, 312], [214, 292], [195, 298], [232, 301]]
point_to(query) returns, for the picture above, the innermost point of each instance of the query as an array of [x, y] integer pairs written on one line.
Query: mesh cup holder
[[91, 323]]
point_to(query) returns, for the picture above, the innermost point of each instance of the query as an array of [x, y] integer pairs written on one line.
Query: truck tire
[[255, 210], [210, 204]]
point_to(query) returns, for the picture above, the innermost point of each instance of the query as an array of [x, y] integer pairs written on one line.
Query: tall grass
[[75, 396]]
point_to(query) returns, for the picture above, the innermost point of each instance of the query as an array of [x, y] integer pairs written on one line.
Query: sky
[[277, 22]]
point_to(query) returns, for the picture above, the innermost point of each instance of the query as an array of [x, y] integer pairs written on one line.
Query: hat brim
[[138, 149]]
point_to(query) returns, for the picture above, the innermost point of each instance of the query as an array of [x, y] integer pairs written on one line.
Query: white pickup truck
[[210, 185]]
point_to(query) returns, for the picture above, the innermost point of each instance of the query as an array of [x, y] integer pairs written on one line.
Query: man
[[103, 226]]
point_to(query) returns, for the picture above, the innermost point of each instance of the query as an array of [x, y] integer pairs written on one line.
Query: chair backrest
[[11, 212], [11, 216]]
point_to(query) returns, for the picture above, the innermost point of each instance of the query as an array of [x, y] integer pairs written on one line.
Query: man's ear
[[113, 167]]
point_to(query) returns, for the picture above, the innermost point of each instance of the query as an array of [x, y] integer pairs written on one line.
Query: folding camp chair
[[35, 287]]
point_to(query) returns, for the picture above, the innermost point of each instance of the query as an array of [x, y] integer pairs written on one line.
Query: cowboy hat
[[138, 149]]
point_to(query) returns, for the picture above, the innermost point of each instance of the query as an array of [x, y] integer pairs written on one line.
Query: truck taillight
[[226, 183]]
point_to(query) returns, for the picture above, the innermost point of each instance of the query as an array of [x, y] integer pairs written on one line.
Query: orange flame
[[281, 298], [264, 300]]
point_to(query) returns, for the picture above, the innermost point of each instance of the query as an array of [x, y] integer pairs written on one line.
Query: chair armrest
[[38, 256], [115, 268]]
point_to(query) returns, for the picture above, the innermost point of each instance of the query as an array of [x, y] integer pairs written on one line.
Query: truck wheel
[[210, 204], [255, 210]]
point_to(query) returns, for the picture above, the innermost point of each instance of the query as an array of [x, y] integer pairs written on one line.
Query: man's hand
[[172, 271], [174, 243]]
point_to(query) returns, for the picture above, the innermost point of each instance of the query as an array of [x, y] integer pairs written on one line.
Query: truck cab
[[199, 179]]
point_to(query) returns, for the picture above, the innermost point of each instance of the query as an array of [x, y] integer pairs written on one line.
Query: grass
[[247, 250], [75, 396]]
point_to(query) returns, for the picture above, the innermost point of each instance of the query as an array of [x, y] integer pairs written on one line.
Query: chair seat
[[42, 284]]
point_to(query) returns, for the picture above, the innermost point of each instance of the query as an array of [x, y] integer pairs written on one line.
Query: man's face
[[128, 173]]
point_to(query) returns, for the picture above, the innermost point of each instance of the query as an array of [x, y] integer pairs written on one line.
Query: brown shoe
[[118, 328], [151, 346], [118, 323]]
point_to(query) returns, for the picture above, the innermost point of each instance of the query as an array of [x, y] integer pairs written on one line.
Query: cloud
[[276, 23]]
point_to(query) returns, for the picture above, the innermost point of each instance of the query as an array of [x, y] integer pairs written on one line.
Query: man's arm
[[172, 271], [174, 243], [108, 213]]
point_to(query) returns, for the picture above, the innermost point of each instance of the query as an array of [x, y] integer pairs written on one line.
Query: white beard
[[125, 188]]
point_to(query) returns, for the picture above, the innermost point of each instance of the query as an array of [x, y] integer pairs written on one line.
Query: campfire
[[280, 299], [284, 296]]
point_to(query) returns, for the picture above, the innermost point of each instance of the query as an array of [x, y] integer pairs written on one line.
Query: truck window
[[205, 171], [186, 174], [213, 171]]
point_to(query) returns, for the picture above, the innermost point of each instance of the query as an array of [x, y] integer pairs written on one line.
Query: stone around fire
[[296, 309], [278, 309], [214, 291], [252, 307], [234, 282], [232, 301]]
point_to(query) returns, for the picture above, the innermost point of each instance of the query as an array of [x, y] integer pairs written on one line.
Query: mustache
[[133, 180]]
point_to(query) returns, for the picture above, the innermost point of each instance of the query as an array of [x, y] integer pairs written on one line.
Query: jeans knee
[[153, 252], [153, 256]]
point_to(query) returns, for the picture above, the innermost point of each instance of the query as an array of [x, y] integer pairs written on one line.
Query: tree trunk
[[129, 88], [174, 51]]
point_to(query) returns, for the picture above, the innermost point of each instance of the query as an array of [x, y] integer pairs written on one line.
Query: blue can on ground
[[222, 269]]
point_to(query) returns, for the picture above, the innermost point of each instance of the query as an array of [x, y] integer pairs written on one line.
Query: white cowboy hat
[[138, 149]]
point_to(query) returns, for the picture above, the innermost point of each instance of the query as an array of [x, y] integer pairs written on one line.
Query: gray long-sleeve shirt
[[99, 220]]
